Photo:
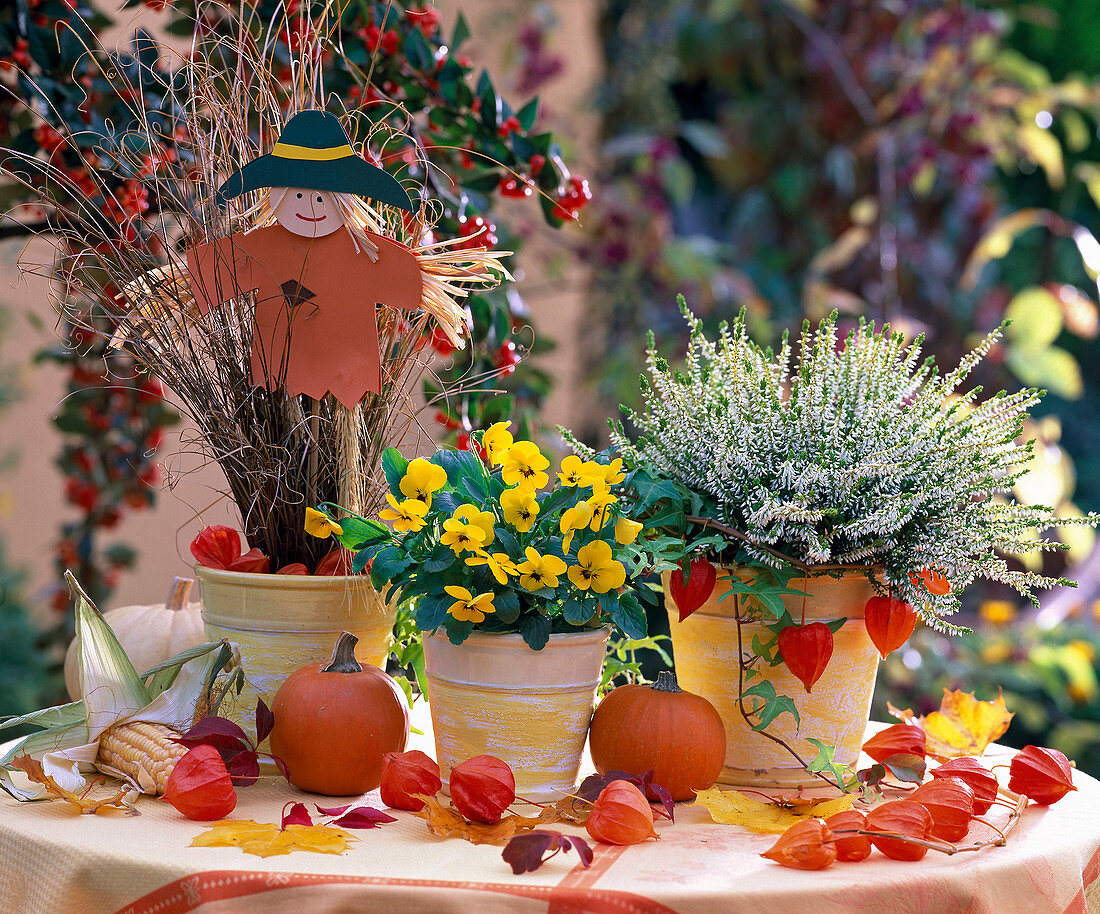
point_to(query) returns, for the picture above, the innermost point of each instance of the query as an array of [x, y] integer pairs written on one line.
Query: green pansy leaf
[[535, 628], [431, 610], [394, 466], [507, 607], [442, 558]]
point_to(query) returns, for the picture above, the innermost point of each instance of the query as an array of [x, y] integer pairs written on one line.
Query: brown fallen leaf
[[86, 806], [447, 822], [266, 839], [733, 808]]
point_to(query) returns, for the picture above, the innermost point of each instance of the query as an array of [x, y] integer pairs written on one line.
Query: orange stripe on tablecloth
[[190, 892], [1089, 875], [575, 893]]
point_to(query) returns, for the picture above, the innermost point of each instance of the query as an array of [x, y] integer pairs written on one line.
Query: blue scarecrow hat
[[314, 152]]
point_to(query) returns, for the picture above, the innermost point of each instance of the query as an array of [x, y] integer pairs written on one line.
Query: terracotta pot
[[836, 712], [282, 622], [493, 695]]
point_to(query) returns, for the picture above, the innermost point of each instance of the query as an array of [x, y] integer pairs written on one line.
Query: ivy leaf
[[823, 761], [773, 706]]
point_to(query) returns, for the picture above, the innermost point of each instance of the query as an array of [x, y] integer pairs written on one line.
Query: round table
[[52, 859]]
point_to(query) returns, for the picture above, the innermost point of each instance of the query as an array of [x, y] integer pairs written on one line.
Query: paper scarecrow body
[[317, 285]]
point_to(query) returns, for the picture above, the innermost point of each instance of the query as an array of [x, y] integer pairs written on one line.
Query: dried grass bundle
[[225, 107]]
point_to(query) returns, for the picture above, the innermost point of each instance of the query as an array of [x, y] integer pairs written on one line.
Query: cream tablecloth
[[52, 860]]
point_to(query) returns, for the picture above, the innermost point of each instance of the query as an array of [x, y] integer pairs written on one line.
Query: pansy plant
[[493, 540]]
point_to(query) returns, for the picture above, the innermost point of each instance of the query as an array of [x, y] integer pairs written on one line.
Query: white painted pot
[[493, 695]]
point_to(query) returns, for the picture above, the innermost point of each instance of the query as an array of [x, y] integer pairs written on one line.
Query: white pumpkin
[[148, 633]]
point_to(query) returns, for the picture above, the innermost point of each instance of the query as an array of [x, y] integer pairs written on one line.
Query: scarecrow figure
[[319, 267]]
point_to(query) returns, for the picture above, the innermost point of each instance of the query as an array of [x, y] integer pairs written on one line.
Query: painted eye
[[318, 199], [299, 196]]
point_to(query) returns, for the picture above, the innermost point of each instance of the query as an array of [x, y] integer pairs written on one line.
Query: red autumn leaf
[[482, 788], [900, 739], [932, 581], [236, 749], [293, 568], [353, 816], [951, 803], [336, 562], [252, 562], [1040, 774], [979, 778], [806, 845], [200, 787], [690, 595], [806, 649], [527, 852], [889, 623], [899, 818], [265, 720], [621, 815], [408, 777], [217, 546], [849, 847], [295, 814]]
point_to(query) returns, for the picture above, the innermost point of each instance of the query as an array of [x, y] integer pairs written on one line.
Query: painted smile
[[311, 218]]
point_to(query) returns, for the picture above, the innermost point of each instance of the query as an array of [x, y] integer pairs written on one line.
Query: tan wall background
[[32, 505]]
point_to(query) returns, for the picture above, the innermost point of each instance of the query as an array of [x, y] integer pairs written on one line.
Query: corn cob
[[142, 752]]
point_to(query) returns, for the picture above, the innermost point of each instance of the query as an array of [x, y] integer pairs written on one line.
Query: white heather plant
[[855, 452]]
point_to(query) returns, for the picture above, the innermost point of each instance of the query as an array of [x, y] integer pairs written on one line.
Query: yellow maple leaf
[[266, 839], [963, 725], [733, 808]]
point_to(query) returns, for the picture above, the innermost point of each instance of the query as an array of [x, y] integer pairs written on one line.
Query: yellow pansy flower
[[519, 508], [471, 514], [573, 519], [499, 564], [496, 440], [421, 479], [539, 571], [571, 471], [626, 531], [320, 525], [405, 516], [461, 537], [523, 464], [467, 607], [591, 475], [597, 569], [600, 502]]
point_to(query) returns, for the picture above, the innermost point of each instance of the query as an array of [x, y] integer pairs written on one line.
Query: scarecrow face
[[310, 213]]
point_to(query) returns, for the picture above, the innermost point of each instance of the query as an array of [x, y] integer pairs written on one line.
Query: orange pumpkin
[[334, 723], [660, 728]]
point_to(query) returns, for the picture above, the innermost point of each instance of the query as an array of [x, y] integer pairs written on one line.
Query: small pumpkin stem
[[178, 593], [343, 656], [666, 682]]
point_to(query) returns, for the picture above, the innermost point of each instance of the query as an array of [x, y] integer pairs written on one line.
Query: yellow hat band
[[289, 151]]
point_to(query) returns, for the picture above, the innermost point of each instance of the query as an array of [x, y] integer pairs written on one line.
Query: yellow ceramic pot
[[836, 712], [282, 622], [493, 695]]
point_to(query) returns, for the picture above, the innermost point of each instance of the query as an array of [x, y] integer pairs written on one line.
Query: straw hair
[[279, 453]]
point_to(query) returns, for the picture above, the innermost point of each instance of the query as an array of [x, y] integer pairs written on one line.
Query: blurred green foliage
[[1048, 678]]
